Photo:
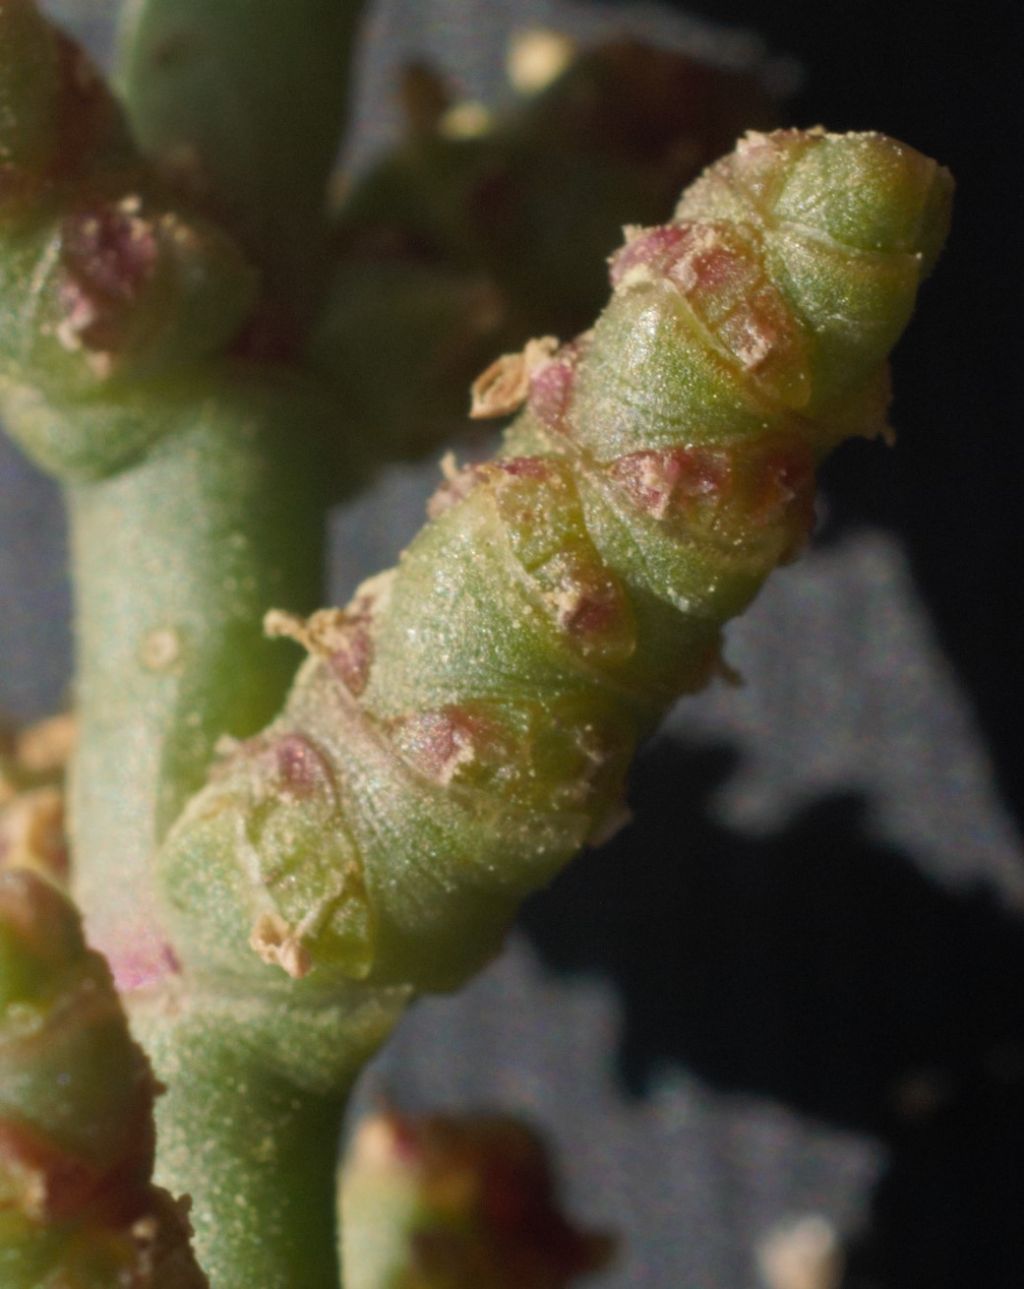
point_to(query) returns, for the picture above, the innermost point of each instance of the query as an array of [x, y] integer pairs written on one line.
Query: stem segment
[[249, 1125]]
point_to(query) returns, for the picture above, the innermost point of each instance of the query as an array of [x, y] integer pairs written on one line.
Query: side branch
[[464, 726]]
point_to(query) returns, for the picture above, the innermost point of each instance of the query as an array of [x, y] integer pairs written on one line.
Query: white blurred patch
[[801, 1254]]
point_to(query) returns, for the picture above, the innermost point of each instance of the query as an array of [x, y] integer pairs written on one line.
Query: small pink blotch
[[149, 961]]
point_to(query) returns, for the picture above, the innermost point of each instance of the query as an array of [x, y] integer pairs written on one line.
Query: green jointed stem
[[192, 477], [252, 1116], [195, 501], [464, 726]]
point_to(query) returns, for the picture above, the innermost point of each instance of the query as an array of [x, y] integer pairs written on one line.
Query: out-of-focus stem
[[243, 105], [77, 1207], [442, 1201]]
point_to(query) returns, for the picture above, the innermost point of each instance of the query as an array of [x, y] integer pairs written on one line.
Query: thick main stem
[[256, 1089], [258, 1148], [176, 560], [195, 508]]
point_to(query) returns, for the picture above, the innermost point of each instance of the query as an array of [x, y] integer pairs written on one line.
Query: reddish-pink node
[[352, 659], [300, 767], [652, 249], [525, 467], [143, 963], [698, 258], [108, 254], [551, 386], [111, 249], [588, 605], [781, 488], [438, 743], [721, 276], [704, 264], [670, 479]]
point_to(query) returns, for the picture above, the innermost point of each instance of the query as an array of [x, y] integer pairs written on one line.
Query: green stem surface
[[175, 562], [250, 1122]]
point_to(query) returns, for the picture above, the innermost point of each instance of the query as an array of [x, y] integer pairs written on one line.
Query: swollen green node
[[882, 196], [110, 292]]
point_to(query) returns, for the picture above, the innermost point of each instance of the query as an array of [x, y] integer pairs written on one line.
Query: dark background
[[947, 78], [794, 985], [817, 1006]]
